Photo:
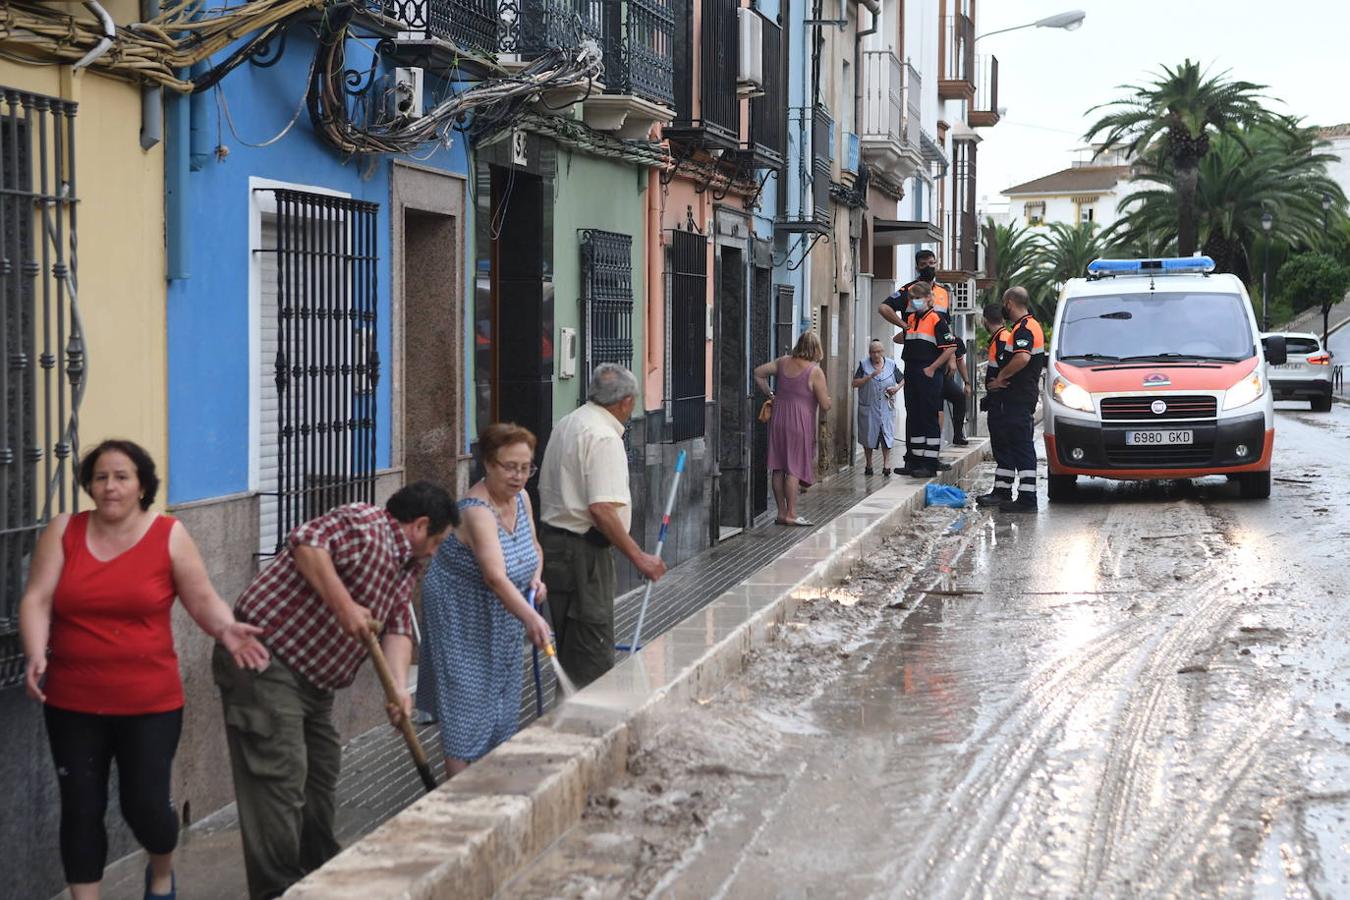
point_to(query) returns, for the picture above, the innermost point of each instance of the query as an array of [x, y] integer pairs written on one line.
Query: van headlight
[[1071, 395], [1245, 391]]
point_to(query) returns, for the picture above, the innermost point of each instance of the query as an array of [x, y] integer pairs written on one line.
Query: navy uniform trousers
[[1012, 438], [923, 402]]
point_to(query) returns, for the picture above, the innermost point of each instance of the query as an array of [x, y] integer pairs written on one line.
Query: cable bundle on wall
[[496, 103], [154, 51]]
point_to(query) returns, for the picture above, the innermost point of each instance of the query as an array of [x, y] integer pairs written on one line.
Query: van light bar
[[1147, 266]]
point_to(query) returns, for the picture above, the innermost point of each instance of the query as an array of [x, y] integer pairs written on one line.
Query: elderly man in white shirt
[[585, 507]]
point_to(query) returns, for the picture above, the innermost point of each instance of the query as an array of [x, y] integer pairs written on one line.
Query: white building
[[1092, 189], [1339, 138]]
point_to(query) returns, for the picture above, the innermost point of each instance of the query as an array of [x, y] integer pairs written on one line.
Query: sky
[[1049, 78]]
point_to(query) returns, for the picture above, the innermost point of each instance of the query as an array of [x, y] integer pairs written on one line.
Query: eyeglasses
[[529, 471]]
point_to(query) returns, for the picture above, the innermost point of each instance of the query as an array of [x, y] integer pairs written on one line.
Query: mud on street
[[1143, 694]]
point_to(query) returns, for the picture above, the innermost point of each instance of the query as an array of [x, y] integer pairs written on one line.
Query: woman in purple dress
[[802, 393]]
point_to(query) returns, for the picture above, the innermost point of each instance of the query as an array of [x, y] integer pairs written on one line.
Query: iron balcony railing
[[883, 97], [705, 96], [810, 145], [961, 241], [768, 113], [531, 27], [469, 24], [639, 49], [913, 88], [985, 106], [958, 57]]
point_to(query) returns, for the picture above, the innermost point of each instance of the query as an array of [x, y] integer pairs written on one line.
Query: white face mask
[[918, 305]]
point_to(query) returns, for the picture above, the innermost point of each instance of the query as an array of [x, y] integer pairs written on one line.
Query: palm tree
[[1278, 167], [1064, 252], [1012, 254], [1182, 109]]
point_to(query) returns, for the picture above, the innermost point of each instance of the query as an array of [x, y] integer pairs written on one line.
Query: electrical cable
[[223, 104]]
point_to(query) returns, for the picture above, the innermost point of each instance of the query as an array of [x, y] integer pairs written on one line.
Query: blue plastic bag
[[936, 494]]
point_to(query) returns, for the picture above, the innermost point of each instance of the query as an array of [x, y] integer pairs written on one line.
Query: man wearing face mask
[[929, 346], [893, 310], [894, 307]]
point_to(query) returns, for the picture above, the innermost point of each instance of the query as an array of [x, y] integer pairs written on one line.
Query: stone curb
[[473, 833]]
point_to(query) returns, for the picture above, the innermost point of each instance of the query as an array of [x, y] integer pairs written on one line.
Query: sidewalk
[[378, 780]]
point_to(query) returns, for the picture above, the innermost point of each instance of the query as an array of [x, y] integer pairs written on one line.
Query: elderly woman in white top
[[877, 382]]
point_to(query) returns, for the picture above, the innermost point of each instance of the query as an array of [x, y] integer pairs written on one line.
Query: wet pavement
[[377, 780], [1146, 693]]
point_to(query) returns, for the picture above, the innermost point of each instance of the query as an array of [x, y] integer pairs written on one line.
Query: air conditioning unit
[[750, 55], [963, 296], [404, 100]]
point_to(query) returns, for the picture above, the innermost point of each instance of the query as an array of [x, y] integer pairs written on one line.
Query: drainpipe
[[655, 290], [874, 7], [105, 43], [177, 165], [152, 98], [198, 139]]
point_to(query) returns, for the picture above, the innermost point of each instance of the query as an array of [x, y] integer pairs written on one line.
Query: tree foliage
[[1312, 279], [1177, 115], [1277, 167]]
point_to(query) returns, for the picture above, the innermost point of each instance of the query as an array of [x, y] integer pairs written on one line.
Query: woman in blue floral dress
[[474, 603]]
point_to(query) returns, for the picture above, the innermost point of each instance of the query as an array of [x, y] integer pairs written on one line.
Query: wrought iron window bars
[[327, 364], [40, 392]]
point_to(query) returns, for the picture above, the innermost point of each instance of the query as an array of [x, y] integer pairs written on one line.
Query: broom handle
[[660, 544], [391, 693]]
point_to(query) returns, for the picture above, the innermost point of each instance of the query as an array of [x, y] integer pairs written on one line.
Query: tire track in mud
[[1006, 753], [1171, 857], [1156, 687]]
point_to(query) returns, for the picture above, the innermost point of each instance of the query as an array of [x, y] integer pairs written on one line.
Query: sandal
[[805, 523]]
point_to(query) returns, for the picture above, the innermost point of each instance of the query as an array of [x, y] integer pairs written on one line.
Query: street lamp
[[1326, 234], [1267, 223], [1068, 21]]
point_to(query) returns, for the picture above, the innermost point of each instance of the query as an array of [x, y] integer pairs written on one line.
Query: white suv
[[1306, 374]]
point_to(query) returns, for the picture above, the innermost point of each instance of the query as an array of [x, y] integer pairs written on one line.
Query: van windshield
[[1154, 327]]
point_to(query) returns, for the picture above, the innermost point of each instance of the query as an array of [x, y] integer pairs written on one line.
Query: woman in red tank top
[[95, 620]]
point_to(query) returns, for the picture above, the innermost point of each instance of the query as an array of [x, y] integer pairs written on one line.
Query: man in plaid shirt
[[341, 575]]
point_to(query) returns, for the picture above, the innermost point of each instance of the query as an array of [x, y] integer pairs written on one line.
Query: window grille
[[606, 299], [42, 361], [686, 334], [319, 448]]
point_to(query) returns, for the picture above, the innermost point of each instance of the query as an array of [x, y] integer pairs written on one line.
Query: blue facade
[[208, 309]]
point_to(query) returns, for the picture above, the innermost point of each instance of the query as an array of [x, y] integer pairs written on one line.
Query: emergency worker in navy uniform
[[1018, 384], [894, 307], [929, 345], [958, 393], [992, 404]]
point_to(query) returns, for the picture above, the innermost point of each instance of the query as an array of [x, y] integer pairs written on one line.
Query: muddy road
[[1145, 694]]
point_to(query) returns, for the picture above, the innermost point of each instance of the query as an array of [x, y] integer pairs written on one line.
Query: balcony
[[707, 108], [960, 248], [766, 143], [956, 78], [432, 34], [984, 109], [890, 119], [806, 207], [639, 69]]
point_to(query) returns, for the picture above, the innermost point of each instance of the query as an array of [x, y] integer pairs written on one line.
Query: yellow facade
[[120, 218]]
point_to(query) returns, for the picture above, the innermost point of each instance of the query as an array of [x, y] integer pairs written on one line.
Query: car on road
[[1156, 370], [1306, 374]]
